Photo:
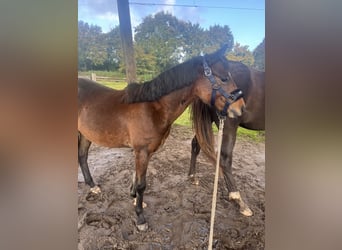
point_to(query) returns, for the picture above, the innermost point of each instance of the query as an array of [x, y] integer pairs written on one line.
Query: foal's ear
[[212, 58], [222, 50]]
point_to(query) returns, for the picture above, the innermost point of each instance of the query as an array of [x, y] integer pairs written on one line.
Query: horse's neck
[[176, 102]]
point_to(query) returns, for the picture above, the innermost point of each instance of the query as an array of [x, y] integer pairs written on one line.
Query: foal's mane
[[180, 76]]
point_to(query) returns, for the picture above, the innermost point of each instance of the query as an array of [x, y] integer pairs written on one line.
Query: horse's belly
[[113, 136]]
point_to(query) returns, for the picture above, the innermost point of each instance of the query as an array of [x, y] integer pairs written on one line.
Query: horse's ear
[[222, 50], [211, 58]]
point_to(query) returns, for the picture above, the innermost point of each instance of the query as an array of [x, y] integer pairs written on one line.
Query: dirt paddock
[[178, 212]]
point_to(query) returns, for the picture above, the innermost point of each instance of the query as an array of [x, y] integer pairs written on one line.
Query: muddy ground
[[178, 212]]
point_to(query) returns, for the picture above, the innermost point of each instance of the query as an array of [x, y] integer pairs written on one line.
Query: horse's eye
[[224, 79]]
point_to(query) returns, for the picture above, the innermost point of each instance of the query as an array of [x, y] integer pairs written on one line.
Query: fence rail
[[95, 77]]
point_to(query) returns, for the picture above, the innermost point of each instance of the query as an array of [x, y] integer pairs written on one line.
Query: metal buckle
[[215, 86], [220, 115], [236, 94], [207, 71]]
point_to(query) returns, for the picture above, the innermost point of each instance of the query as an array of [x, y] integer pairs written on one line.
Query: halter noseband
[[233, 96]]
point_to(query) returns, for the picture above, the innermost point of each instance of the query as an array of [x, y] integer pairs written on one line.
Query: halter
[[233, 96]]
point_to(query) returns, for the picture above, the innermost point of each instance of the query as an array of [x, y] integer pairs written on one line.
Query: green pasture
[[114, 85], [184, 119], [117, 75]]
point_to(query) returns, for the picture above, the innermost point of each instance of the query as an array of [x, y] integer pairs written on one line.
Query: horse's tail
[[202, 125]]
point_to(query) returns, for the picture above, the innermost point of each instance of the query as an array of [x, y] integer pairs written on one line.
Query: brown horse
[[141, 115], [252, 83]]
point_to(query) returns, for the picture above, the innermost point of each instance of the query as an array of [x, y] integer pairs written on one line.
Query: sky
[[245, 18]]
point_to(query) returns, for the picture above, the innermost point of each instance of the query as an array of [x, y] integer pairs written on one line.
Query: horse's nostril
[[243, 108]]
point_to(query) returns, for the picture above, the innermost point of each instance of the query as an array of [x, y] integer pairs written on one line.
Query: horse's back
[[88, 89], [100, 112]]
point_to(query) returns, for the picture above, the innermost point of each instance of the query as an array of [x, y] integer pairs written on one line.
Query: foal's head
[[224, 95], [217, 87]]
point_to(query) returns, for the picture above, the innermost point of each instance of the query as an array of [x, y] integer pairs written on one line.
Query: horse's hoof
[[194, 180], [135, 203], [246, 212], [95, 190], [142, 227], [234, 196], [244, 209]]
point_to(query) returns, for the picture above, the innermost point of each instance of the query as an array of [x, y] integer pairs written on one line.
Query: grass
[[114, 85], [257, 136], [184, 119], [117, 75]]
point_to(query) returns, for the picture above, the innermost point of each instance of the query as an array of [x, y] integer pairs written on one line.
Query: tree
[[193, 40], [159, 36], [146, 63], [172, 41], [92, 51], [114, 50], [216, 36], [259, 56], [241, 54], [198, 40], [161, 41]]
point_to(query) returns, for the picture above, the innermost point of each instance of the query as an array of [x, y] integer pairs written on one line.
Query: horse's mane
[[178, 77]]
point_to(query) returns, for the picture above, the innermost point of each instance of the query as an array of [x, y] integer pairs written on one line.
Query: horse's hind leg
[[226, 161], [83, 148], [195, 150]]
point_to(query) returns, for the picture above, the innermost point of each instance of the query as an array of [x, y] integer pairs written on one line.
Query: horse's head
[[223, 94], [229, 99], [221, 90]]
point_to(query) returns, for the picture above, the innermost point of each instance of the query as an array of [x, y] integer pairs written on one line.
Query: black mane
[[180, 76]]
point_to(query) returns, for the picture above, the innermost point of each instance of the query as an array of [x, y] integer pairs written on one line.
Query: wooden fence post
[[126, 39]]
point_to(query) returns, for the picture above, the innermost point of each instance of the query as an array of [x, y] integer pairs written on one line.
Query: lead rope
[[213, 204]]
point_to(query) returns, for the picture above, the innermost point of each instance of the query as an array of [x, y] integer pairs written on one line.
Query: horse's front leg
[[139, 185], [133, 192], [226, 161]]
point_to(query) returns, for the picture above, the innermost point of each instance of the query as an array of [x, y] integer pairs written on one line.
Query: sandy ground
[[178, 212]]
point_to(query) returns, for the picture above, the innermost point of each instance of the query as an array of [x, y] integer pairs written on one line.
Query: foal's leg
[[133, 192], [226, 160], [139, 184], [83, 148]]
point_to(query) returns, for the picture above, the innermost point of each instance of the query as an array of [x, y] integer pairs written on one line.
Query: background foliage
[[160, 42]]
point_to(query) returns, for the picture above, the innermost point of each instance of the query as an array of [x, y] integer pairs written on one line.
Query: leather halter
[[230, 97]]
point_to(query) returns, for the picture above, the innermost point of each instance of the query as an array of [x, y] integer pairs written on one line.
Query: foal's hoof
[[135, 203], [95, 190], [142, 227], [246, 212], [93, 194]]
